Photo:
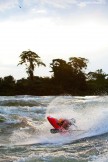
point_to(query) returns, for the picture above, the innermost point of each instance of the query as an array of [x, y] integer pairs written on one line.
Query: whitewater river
[[25, 133]]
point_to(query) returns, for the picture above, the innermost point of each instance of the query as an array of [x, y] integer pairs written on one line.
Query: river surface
[[25, 132]]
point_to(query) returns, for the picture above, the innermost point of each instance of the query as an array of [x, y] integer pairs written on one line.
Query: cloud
[[40, 11], [46, 5], [59, 3], [57, 7], [85, 3], [51, 3], [7, 4], [67, 3], [21, 10]]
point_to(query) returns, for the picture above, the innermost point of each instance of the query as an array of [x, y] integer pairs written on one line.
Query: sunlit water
[[25, 133]]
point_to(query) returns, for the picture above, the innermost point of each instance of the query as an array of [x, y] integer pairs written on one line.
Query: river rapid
[[25, 132]]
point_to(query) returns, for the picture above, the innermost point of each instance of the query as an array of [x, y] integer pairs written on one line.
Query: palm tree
[[30, 59]]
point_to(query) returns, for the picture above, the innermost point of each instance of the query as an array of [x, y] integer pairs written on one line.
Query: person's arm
[[65, 125]]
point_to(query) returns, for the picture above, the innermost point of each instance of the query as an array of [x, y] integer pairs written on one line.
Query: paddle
[[54, 131]]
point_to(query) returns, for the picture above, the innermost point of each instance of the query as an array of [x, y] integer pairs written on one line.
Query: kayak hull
[[53, 122]]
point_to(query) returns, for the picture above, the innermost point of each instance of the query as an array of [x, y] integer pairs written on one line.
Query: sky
[[53, 29]]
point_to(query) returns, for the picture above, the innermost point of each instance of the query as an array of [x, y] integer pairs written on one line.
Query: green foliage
[[97, 82], [98, 75], [31, 60], [7, 85], [68, 78], [70, 75]]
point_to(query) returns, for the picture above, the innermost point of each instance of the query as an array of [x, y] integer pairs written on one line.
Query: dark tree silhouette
[[97, 75], [78, 63], [58, 68], [70, 75], [30, 59]]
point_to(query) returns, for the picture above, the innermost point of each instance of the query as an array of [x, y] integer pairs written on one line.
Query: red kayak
[[58, 129], [54, 123]]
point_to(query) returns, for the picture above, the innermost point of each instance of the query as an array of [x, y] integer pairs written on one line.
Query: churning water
[[25, 132]]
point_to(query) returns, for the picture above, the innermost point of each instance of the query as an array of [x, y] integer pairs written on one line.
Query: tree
[[98, 75], [58, 66], [70, 75], [97, 82], [61, 74], [30, 59], [8, 85], [78, 63]]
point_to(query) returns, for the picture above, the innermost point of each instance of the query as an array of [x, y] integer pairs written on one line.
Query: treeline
[[68, 78]]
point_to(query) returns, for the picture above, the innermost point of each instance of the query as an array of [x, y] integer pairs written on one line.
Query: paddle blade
[[54, 131]]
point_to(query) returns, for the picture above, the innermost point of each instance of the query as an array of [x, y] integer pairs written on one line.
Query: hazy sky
[[53, 29]]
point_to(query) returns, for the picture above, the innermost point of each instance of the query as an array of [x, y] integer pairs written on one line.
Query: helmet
[[60, 121]]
